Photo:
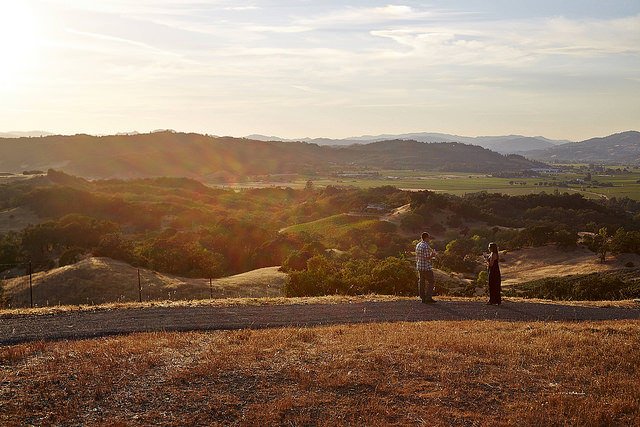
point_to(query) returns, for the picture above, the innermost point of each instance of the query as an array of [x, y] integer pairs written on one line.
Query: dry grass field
[[549, 261], [17, 219], [431, 373], [104, 280]]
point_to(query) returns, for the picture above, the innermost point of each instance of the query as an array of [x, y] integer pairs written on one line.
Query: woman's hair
[[493, 247]]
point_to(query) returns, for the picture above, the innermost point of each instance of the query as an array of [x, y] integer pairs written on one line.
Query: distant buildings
[[356, 174]]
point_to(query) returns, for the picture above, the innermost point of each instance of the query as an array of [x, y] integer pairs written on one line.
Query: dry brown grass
[[16, 219], [436, 373], [104, 280], [529, 264]]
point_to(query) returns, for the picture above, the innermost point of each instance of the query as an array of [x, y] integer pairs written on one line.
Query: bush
[[296, 261], [393, 276], [566, 240], [71, 256], [483, 278], [305, 283], [325, 276]]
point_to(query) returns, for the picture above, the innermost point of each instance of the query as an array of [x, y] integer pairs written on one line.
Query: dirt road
[[87, 324]]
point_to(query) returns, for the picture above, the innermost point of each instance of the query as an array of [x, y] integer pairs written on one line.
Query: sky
[[561, 69]]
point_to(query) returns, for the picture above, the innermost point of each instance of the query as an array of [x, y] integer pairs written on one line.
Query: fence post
[[139, 287], [30, 284]]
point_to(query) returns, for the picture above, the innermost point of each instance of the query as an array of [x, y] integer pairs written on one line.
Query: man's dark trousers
[[425, 284]]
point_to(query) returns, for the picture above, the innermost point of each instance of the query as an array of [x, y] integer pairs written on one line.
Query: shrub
[[566, 240], [71, 256], [483, 278], [305, 283], [325, 276], [393, 276], [296, 261]]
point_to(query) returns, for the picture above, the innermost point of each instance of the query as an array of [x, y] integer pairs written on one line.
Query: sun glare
[[17, 40]]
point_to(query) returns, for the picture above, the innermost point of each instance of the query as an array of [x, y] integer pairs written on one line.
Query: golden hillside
[[101, 280]]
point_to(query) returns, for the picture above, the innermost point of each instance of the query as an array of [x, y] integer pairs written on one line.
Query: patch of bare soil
[[104, 280], [395, 216], [549, 261]]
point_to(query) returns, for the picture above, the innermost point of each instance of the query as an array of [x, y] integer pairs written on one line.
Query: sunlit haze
[[566, 70]]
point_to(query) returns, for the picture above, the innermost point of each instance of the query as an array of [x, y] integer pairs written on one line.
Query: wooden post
[[139, 287], [30, 284], [210, 288]]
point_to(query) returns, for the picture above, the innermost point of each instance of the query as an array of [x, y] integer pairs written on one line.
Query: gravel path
[[86, 324]]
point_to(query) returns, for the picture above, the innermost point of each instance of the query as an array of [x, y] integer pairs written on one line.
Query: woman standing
[[493, 266]]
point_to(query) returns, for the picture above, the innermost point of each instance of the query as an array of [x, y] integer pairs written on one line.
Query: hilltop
[[505, 144], [212, 158]]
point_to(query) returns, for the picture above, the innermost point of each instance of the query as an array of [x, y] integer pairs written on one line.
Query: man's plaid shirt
[[423, 251]]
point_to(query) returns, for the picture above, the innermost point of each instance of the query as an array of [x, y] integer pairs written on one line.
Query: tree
[[308, 186], [458, 256], [599, 243], [9, 249], [565, 239], [412, 222], [625, 241], [70, 256]]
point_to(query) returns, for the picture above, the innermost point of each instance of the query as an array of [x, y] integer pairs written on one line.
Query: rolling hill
[[619, 148], [509, 144], [210, 158], [103, 280]]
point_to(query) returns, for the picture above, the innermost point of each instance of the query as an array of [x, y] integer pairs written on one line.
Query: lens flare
[[17, 40]]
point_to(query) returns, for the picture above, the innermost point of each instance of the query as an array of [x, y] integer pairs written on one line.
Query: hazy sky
[[563, 69]]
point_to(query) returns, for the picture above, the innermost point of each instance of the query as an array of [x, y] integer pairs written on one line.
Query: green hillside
[[335, 228]]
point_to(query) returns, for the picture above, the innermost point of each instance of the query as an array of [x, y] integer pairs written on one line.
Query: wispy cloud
[[241, 8], [327, 56], [516, 43], [120, 40], [382, 15]]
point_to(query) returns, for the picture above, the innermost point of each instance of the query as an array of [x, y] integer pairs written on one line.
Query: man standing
[[424, 255]]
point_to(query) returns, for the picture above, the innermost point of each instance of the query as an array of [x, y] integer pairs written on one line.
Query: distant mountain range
[[619, 148], [221, 158], [511, 144], [29, 134]]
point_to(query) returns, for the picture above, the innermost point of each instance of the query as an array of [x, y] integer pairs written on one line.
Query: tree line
[[182, 227]]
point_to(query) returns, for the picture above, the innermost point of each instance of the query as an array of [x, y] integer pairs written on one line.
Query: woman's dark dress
[[494, 283]]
